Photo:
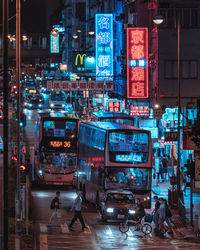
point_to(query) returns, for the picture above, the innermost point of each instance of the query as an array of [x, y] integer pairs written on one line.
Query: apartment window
[[189, 69]]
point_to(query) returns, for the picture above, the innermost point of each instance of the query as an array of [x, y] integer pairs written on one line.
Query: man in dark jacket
[[55, 206], [155, 214]]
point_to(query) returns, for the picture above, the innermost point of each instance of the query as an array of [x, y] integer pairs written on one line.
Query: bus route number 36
[[58, 144]]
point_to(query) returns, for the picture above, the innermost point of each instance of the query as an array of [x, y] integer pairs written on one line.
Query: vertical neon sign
[[104, 46], [54, 41], [137, 62]]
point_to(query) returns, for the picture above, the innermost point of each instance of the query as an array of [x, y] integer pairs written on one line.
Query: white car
[[1, 145], [57, 100]]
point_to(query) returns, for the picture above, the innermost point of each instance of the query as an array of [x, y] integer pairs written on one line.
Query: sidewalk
[[184, 232]]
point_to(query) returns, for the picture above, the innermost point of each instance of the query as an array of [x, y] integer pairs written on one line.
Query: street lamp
[[91, 32], [75, 36], [158, 19]]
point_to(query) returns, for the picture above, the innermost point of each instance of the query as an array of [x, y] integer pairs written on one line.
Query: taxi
[[117, 205]]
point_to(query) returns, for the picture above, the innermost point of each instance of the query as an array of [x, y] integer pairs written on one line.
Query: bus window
[[128, 146], [133, 178]]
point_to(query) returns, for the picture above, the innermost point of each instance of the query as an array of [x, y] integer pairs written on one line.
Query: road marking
[[43, 242], [43, 228], [108, 230], [130, 232]]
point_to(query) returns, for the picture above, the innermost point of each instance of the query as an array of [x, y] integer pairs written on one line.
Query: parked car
[[117, 205], [57, 100]]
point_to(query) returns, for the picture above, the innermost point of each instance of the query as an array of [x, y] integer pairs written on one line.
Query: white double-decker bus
[[114, 156], [56, 148]]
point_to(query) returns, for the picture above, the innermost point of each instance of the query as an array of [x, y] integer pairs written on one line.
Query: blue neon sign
[[104, 46]]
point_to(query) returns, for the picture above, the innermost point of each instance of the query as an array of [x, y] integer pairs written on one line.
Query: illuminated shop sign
[[170, 118], [60, 144], [137, 63], [139, 110], [104, 46], [54, 41], [128, 158], [114, 106]]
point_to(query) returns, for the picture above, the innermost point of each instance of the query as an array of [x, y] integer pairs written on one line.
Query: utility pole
[[18, 74], [179, 107], [5, 123]]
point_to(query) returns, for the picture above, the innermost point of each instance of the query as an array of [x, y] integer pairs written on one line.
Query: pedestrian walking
[[77, 206], [168, 217], [162, 216], [55, 205], [164, 165], [156, 215], [183, 180]]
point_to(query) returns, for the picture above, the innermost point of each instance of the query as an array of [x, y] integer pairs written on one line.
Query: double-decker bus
[[113, 117], [56, 148], [114, 156]]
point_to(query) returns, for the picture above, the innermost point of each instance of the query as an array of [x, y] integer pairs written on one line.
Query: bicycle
[[139, 223]]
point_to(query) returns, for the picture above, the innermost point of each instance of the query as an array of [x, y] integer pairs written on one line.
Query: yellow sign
[[32, 91], [81, 58], [59, 144]]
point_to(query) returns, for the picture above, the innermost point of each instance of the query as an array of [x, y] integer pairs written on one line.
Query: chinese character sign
[[54, 41], [137, 63], [104, 46], [114, 106]]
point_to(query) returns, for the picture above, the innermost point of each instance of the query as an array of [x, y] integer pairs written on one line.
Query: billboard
[[54, 41], [104, 46], [137, 62]]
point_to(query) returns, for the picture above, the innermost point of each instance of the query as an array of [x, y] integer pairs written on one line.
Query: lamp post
[[5, 124]]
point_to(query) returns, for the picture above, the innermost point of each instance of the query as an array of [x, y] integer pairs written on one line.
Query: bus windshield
[[125, 121], [128, 146], [128, 178], [59, 128], [57, 97]]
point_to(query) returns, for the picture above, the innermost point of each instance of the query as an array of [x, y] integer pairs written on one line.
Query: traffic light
[[23, 120], [190, 169], [23, 172]]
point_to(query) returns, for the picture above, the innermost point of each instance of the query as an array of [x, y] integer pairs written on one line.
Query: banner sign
[[139, 110], [81, 85], [137, 62], [54, 41], [104, 46], [114, 106]]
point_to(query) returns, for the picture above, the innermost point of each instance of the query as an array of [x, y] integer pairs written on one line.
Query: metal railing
[[182, 212]]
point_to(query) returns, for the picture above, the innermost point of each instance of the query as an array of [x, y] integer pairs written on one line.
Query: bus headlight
[[109, 210], [131, 211], [40, 172], [51, 105], [148, 198]]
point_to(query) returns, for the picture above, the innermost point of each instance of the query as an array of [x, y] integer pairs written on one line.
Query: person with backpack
[[55, 206]]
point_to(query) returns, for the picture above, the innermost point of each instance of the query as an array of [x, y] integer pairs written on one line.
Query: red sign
[[139, 110], [114, 106], [100, 85], [82, 85], [65, 85], [91, 85], [109, 85], [137, 62], [74, 85], [56, 85]]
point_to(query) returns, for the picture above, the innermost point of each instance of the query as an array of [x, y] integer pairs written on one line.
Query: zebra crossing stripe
[[43, 242]]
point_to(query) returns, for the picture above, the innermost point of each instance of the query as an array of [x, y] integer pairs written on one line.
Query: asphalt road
[[98, 235]]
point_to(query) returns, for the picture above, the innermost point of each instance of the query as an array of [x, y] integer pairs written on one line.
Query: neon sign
[[137, 63], [114, 106], [59, 144], [54, 41], [104, 46], [139, 110], [170, 118]]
